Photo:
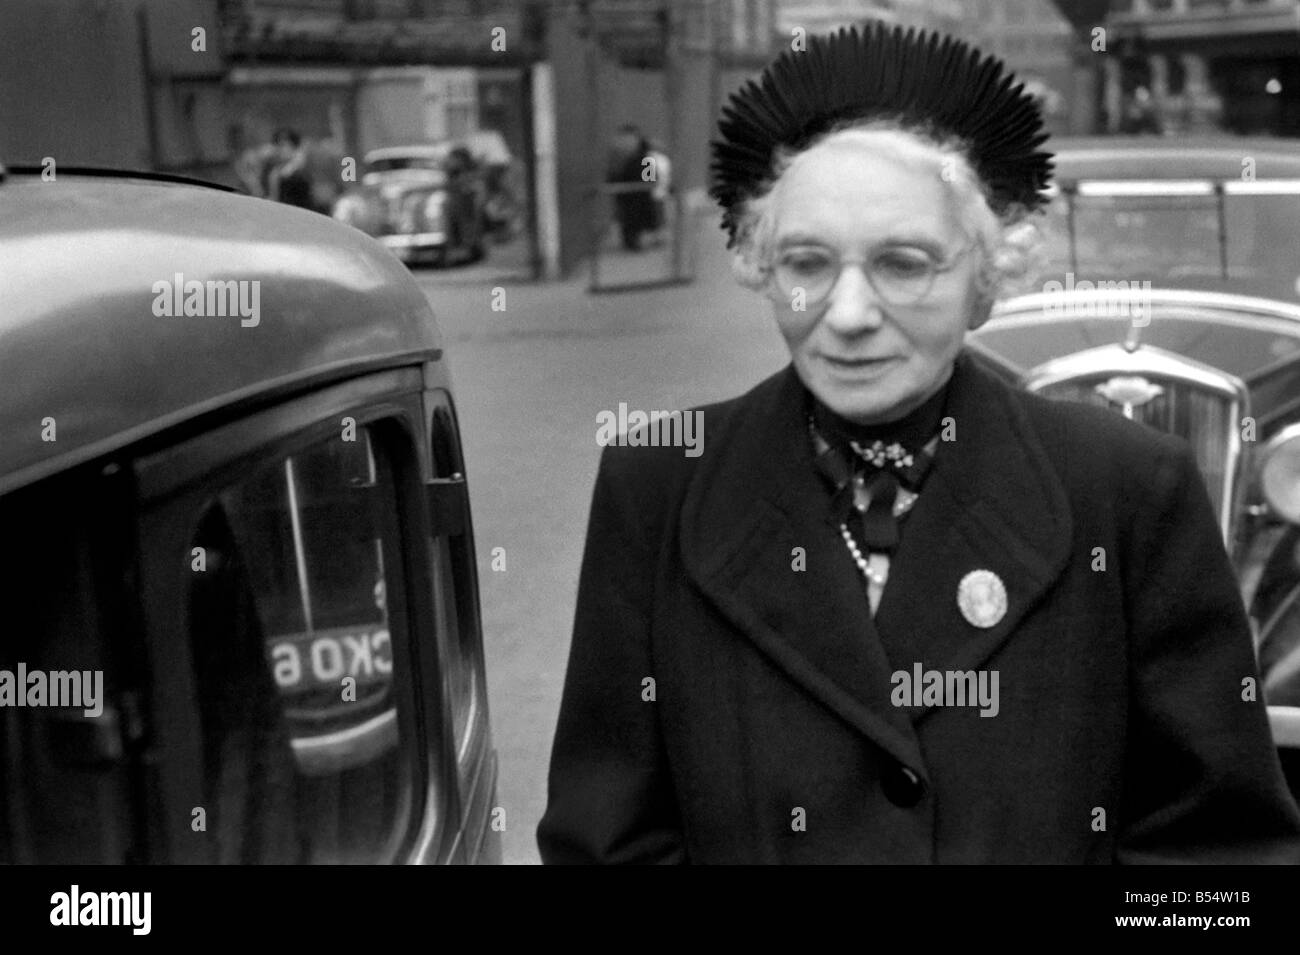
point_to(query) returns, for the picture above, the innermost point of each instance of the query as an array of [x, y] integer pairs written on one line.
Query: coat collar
[[757, 508]]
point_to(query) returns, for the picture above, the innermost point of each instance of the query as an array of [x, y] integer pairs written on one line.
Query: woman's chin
[[858, 401]]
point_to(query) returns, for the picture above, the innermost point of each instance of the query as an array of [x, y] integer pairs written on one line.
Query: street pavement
[[529, 381]]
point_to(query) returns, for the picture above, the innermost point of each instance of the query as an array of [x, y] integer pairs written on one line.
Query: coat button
[[902, 786]]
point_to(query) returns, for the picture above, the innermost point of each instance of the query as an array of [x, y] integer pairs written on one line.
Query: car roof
[[489, 145], [486, 144], [426, 151], [82, 259], [1159, 157]]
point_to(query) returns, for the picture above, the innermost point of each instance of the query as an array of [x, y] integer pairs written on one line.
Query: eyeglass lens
[[900, 275]]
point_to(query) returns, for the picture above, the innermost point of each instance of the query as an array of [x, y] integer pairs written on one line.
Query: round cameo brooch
[[982, 597]]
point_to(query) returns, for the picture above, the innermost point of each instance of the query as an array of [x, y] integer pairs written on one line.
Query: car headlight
[[349, 209], [433, 209], [1279, 473]]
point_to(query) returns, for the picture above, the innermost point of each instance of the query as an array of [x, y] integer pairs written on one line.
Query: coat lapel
[[756, 513], [756, 503], [993, 502]]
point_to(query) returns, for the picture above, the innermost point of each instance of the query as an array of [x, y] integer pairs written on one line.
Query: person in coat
[[892, 609], [634, 207], [288, 180]]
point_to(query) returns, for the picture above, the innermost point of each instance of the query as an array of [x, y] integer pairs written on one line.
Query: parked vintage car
[[1152, 244], [426, 203], [232, 489]]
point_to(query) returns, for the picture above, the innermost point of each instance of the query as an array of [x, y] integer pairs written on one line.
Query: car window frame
[[474, 752], [172, 483]]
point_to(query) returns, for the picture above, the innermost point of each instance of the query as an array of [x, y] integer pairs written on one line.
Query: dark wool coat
[[636, 210], [1121, 733]]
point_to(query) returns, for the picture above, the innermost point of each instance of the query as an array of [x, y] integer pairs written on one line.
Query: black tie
[[879, 526]]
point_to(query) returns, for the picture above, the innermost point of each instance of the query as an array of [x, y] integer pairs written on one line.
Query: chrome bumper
[[407, 244]]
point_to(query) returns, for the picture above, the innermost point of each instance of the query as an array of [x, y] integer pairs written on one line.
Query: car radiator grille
[[1201, 417]]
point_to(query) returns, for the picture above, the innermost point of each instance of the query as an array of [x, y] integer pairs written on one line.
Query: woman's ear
[[747, 270]]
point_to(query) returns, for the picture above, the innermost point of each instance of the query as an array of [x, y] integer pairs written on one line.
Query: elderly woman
[[897, 611]]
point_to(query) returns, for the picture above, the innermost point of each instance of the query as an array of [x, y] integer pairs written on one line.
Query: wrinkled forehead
[[859, 185]]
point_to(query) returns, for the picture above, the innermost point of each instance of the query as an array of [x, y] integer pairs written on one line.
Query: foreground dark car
[[426, 203], [233, 498], [1148, 242]]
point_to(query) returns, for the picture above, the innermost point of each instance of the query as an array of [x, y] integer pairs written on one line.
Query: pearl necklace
[[901, 506], [876, 578]]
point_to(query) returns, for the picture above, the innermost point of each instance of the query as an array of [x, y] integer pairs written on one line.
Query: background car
[[231, 481], [1149, 244], [1220, 214], [422, 202]]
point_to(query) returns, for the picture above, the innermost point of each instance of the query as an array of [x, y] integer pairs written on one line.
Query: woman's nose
[[853, 306]]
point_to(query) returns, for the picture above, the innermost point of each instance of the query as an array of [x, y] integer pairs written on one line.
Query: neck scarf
[[877, 459]]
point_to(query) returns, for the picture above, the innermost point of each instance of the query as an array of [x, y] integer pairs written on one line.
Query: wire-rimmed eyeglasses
[[900, 274]]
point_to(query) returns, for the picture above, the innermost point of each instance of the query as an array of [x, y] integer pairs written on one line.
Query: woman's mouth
[[855, 364]]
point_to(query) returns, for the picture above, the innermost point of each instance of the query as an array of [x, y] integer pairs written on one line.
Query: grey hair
[[1010, 243]]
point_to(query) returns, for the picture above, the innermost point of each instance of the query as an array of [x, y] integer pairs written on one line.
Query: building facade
[[1033, 36], [1203, 65], [1037, 43], [824, 16]]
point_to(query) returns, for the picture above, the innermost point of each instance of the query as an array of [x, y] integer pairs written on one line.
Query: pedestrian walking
[[661, 191], [288, 179], [634, 207]]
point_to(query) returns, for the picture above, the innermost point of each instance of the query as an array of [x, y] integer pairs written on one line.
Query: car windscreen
[[1263, 235], [1236, 235], [399, 163]]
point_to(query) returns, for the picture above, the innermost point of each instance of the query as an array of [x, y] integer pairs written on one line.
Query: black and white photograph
[[741, 432]]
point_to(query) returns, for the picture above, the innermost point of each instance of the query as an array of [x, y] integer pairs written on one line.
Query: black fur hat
[[917, 77]]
